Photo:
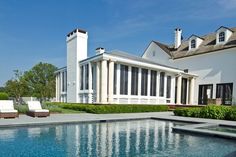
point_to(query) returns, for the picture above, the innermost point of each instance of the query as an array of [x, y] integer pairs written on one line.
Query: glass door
[[225, 92], [205, 93]]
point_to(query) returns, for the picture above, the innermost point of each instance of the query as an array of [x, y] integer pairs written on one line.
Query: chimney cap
[[76, 30], [178, 29], [100, 50]]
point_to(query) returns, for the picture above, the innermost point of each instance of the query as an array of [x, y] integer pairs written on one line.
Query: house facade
[[187, 72]]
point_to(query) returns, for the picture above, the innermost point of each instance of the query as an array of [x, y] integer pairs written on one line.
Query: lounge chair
[[7, 109], [35, 109]]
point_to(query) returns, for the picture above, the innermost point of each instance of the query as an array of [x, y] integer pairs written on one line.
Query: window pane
[[168, 90], [134, 81], [115, 79], [222, 37], [81, 77], [86, 76], [144, 82], [162, 81], [153, 83], [123, 79]]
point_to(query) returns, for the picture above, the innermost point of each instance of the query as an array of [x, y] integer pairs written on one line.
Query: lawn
[[51, 107]]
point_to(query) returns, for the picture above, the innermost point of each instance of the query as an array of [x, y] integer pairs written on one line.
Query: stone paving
[[24, 120]]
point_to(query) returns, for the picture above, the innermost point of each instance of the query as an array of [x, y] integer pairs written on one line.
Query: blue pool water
[[126, 138]]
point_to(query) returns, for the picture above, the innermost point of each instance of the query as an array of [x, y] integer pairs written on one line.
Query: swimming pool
[[123, 138]]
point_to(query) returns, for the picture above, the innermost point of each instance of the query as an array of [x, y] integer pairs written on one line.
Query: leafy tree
[[41, 81], [16, 87], [2, 89]]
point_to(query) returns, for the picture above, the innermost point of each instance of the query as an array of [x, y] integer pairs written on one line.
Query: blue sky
[[34, 30]]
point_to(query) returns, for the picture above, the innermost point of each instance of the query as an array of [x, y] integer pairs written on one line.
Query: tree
[[2, 89], [16, 87], [41, 80]]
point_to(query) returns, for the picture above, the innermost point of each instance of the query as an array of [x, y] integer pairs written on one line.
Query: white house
[[187, 72]]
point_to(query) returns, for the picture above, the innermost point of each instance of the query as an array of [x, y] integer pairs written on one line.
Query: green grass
[[52, 108], [111, 108]]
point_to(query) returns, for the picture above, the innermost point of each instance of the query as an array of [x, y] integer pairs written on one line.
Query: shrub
[[231, 114], [210, 111], [22, 108], [3, 96], [99, 109], [187, 112]]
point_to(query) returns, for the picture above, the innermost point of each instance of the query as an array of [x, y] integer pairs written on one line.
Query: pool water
[[125, 138], [220, 128]]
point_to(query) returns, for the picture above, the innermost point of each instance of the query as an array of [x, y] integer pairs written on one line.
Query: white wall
[[76, 51], [160, 56], [212, 68]]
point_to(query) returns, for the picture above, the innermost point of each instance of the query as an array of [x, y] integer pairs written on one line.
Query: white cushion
[[6, 105], [8, 111], [34, 105], [42, 110]]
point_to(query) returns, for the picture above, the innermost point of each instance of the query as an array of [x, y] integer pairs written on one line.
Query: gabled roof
[[225, 28], [137, 58], [193, 35], [163, 47], [208, 45]]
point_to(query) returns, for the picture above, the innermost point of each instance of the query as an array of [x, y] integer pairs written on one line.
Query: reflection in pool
[[126, 138]]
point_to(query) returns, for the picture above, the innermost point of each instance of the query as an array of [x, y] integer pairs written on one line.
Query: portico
[[114, 79]]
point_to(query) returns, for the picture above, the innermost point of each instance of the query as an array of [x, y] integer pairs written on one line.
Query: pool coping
[[192, 126]]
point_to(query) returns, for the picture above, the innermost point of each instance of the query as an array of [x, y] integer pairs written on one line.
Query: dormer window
[[193, 44], [221, 36]]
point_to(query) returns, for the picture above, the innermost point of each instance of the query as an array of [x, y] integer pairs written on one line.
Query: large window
[[86, 76], [225, 93], [222, 37], [162, 84], [64, 82], [193, 43], [81, 77], [123, 79], [115, 79], [144, 82], [168, 90], [134, 81], [153, 83]]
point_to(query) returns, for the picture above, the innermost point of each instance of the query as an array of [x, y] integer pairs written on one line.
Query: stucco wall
[[212, 68]]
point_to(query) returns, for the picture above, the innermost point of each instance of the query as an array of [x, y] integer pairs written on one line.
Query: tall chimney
[[77, 42], [178, 36]]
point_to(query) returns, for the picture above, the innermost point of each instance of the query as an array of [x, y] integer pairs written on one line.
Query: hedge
[[210, 111], [102, 109], [4, 96]]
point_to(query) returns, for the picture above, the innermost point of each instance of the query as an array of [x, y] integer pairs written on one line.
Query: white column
[[98, 82], [179, 85], [118, 82], [104, 81], [60, 92], [165, 85], [172, 100], [149, 83], [90, 83], [158, 86], [139, 83], [187, 94], [129, 83], [192, 85], [57, 88], [111, 79]]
